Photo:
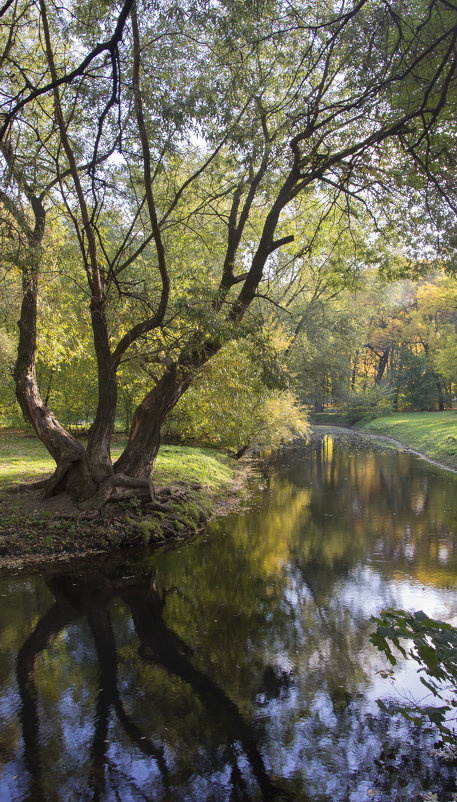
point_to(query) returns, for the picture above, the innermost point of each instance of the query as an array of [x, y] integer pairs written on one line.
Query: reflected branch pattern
[[58, 617], [90, 596]]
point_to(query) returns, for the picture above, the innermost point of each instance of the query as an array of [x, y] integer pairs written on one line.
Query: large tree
[[179, 142]]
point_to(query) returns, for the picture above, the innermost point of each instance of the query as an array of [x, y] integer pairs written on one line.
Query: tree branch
[[110, 45]]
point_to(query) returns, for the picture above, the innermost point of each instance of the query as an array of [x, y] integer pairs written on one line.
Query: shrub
[[368, 404]]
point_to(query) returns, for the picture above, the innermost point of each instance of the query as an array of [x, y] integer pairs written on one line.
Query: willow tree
[[176, 140]]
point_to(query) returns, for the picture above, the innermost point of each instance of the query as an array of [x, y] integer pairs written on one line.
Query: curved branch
[[111, 45]]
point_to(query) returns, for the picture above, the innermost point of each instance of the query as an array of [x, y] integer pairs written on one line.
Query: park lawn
[[23, 459], [434, 434], [191, 483], [190, 464]]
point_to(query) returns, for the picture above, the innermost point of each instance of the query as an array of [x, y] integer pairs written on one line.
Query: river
[[238, 665]]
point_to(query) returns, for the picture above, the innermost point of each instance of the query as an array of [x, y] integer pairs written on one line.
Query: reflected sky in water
[[237, 666]]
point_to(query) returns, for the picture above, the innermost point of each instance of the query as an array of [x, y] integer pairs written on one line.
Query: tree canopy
[[170, 168]]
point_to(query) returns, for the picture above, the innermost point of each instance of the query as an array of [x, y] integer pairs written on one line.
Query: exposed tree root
[[117, 487]]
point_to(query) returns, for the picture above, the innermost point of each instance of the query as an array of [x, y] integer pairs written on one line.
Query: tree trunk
[[67, 451], [354, 370], [139, 456], [77, 471], [436, 378], [439, 390], [99, 443], [382, 364]]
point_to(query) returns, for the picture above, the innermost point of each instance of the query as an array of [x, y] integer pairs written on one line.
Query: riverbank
[[432, 435], [192, 485]]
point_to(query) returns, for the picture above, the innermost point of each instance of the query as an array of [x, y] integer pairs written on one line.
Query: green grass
[[432, 433], [206, 466], [23, 458]]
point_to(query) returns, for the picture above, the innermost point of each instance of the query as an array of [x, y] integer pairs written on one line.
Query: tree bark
[[382, 364], [101, 431], [140, 454], [65, 449]]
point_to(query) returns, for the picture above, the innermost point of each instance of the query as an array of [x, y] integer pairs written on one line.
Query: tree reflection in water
[[276, 604], [91, 596]]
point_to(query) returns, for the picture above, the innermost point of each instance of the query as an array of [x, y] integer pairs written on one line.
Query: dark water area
[[238, 666]]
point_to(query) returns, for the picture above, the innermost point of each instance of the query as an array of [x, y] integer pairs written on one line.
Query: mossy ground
[[190, 483]]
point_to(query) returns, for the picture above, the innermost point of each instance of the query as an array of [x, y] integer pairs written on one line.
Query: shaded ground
[[35, 530]]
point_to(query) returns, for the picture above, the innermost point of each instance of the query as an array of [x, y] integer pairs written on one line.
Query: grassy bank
[[23, 458], [189, 483], [434, 434]]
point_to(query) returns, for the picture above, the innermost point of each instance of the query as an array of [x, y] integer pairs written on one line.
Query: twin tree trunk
[[83, 471], [88, 473]]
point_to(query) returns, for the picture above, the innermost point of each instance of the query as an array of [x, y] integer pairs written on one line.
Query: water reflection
[[91, 595], [238, 666]]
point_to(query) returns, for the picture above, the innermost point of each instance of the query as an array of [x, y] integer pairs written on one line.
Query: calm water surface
[[237, 666]]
